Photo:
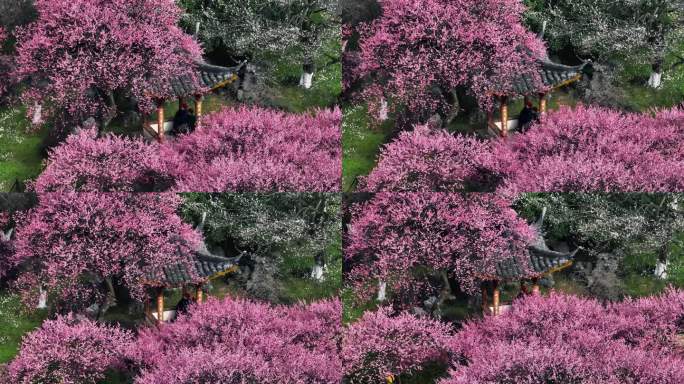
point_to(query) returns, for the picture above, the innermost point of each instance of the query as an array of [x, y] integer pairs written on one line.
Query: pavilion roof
[[206, 267], [553, 75], [207, 78], [542, 260]]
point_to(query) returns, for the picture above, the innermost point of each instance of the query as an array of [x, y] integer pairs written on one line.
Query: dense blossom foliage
[[244, 149], [416, 46], [72, 242], [588, 149], [594, 149], [257, 149], [379, 345], [567, 339], [428, 160], [235, 341], [86, 163], [80, 53], [69, 350], [395, 235]]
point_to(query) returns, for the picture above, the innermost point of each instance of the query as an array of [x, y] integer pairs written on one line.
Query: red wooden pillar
[[199, 294], [496, 299], [485, 299], [198, 109], [535, 287], [160, 120], [504, 115], [160, 305], [542, 103]]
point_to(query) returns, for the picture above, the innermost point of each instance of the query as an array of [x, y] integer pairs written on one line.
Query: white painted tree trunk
[[317, 272], [661, 269], [655, 80], [382, 291], [42, 299], [383, 112], [306, 80], [37, 118]]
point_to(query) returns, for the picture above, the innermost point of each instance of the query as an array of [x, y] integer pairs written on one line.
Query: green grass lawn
[[361, 145], [20, 150], [14, 323]]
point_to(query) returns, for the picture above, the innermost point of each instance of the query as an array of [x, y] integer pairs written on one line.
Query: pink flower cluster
[[86, 50], [396, 234], [70, 351], [429, 160], [71, 242], [237, 341], [257, 149], [111, 163], [588, 149], [379, 345], [243, 149], [566, 339], [417, 45], [596, 149]]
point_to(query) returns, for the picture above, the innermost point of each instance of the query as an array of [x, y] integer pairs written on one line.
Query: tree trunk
[[655, 80], [306, 79], [42, 298], [382, 291], [661, 263], [318, 270]]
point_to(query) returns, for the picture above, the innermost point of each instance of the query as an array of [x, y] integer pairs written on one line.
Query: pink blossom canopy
[[379, 345], [86, 50], [235, 341], [465, 236], [416, 45], [243, 149], [566, 339], [429, 160], [111, 163], [585, 149], [258, 149], [69, 350], [72, 241]]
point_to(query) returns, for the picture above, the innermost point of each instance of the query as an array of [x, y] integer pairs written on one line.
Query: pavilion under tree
[[204, 267], [553, 75], [206, 79], [192, 276], [543, 262]]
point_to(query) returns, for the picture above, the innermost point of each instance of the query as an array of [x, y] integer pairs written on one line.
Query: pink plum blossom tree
[[257, 149], [80, 54], [244, 149], [236, 341], [395, 237], [417, 51], [380, 346], [566, 339], [594, 149], [430, 160], [77, 246], [69, 350], [585, 149], [86, 163]]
